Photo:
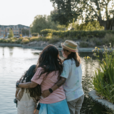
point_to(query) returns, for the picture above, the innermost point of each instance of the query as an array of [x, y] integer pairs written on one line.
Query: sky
[[13, 12]]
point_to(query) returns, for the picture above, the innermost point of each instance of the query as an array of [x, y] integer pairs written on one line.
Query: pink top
[[47, 82]]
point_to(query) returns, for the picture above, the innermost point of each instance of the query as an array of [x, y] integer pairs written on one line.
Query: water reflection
[[11, 51], [3, 51], [14, 62]]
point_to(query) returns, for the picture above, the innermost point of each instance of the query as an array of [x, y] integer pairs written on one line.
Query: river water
[[14, 61]]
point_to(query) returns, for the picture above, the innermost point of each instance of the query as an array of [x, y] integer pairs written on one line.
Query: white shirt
[[73, 84], [27, 104]]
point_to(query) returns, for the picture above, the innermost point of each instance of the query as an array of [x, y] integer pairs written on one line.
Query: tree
[[64, 11], [89, 26], [38, 24], [43, 22], [52, 24], [25, 32], [100, 10], [87, 10], [10, 33]]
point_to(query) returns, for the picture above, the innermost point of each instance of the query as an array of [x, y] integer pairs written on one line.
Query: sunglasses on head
[[65, 50]]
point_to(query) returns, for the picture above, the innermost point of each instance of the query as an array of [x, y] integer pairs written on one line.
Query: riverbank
[[41, 44], [105, 103], [40, 47], [85, 39]]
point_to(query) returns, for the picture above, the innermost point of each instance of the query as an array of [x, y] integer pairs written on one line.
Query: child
[[73, 73], [28, 98]]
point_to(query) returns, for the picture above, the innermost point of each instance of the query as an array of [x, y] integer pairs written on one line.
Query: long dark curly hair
[[49, 60], [34, 92]]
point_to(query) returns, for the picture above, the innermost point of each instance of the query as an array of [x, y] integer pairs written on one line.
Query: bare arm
[[27, 85], [17, 89], [61, 81]]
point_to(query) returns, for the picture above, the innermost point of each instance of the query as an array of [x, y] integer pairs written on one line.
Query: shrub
[[49, 36], [19, 40], [84, 44], [34, 34], [25, 41], [109, 38], [78, 34], [34, 39], [2, 40], [54, 40], [46, 31], [12, 40], [89, 106], [104, 76], [9, 40], [43, 39]]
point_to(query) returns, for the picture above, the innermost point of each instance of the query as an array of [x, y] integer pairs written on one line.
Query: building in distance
[[18, 30]]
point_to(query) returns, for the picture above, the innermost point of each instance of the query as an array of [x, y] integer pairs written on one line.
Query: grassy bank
[[102, 81], [85, 38]]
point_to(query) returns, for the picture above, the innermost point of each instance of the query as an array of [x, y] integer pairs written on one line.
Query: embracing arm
[[64, 75], [60, 82], [27, 85], [17, 90]]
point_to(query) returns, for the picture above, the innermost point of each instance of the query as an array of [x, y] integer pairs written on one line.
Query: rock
[[103, 102]]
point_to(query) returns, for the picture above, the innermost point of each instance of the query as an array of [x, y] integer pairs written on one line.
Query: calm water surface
[[14, 62]]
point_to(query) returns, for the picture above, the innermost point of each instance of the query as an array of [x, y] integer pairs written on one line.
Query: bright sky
[[13, 12]]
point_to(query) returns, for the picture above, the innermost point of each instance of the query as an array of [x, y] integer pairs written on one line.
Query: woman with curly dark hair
[[72, 73], [48, 70], [27, 98]]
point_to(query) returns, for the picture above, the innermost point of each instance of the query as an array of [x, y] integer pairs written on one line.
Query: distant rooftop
[[19, 25]]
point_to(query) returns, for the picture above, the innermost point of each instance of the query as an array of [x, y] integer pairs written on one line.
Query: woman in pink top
[[48, 70]]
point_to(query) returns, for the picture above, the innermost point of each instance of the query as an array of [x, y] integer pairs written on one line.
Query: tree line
[[86, 10], [93, 14]]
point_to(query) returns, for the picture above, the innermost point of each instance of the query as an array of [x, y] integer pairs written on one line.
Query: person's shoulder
[[39, 69], [68, 61], [80, 65]]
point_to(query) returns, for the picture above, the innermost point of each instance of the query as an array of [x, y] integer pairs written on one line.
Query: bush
[[104, 76], [54, 40], [34, 34], [93, 38], [9, 40], [78, 34], [109, 38], [89, 106], [18, 41], [84, 44], [49, 36], [25, 41], [43, 39], [2, 40], [33, 39], [46, 31], [98, 43]]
